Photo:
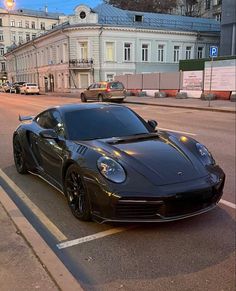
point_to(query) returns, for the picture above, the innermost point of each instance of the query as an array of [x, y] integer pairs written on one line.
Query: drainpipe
[[233, 40], [100, 53], [36, 62], [16, 67]]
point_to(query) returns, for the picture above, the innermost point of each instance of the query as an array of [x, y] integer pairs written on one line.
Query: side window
[[57, 123], [91, 86], [51, 120], [42, 119]]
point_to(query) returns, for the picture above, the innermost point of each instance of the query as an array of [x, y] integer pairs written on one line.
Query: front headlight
[[111, 170], [205, 154]]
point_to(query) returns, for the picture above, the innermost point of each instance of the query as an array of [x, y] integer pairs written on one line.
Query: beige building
[[98, 44], [20, 26]]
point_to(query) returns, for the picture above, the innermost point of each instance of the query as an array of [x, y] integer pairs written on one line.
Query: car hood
[[160, 160]]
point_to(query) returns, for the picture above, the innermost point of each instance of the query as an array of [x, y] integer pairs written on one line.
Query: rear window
[[116, 86], [31, 84]]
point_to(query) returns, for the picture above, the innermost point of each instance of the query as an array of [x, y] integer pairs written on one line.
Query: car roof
[[78, 106]]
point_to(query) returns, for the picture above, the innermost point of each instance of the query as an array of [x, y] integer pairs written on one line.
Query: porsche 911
[[112, 165]]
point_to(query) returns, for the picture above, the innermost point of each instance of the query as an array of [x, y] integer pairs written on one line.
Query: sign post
[[213, 54]]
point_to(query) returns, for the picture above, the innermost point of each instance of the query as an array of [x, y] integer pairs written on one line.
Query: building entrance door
[[84, 80]]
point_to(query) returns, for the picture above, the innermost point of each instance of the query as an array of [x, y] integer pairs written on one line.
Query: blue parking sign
[[213, 51]]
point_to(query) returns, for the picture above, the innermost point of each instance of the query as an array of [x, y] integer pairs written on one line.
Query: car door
[[50, 151], [90, 91]]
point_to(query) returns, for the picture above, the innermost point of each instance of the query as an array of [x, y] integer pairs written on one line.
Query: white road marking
[[91, 237], [184, 132], [37, 212], [227, 203]]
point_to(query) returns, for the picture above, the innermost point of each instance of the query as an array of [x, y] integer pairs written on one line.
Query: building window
[[20, 38], [33, 25], [208, 4], [13, 36], [83, 50], [145, 48], [42, 25], [200, 52], [65, 52], [19, 24], [1, 36], [127, 52], [176, 53], [12, 23], [188, 52], [0, 21], [1, 51], [3, 66], [33, 35], [138, 18], [110, 77], [26, 24], [160, 53], [218, 16], [27, 37], [110, 54]]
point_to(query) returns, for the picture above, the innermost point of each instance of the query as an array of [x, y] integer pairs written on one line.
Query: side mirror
[[48, 134], [153, 124]]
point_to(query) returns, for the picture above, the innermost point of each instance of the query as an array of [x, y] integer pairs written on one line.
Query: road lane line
[[227, 203], [88, 238], [37, 212], [57, 271], [184, 132]]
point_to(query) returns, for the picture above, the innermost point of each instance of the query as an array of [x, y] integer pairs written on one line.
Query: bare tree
[[161, 6]]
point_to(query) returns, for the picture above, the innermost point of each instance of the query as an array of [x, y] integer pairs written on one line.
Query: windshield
[[105, 122]]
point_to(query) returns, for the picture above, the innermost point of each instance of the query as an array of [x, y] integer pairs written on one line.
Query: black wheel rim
[[18, 154], [76, 193]]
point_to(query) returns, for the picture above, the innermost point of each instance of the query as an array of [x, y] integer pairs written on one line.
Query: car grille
[[177, 205]]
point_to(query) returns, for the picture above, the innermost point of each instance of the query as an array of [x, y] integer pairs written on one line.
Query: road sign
[[213, 51]]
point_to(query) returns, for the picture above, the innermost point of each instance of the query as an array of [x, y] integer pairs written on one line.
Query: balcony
[[81, 64]]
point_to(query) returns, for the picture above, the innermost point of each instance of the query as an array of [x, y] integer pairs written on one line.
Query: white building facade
[[93, 46], [20, 26]]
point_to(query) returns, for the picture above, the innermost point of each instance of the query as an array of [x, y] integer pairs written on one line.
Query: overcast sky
[[65, 6]]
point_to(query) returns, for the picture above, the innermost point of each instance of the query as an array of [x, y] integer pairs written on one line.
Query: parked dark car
[[104, 91], [114, 166], [18, 85]]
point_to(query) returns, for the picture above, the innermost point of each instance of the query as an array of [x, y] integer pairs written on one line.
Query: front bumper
[[169, 205]]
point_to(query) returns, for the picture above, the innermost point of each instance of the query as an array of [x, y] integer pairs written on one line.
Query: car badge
[[180, 173]]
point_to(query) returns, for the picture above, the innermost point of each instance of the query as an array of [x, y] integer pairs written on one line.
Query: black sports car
[[114, 166]]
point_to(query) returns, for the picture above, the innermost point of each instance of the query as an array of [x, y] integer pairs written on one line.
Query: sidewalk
[[27, 262], [19, 269], [190, 103]]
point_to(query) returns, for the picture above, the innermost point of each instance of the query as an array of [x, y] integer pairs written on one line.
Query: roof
[[109, 15], [37, 13], [78, 106]]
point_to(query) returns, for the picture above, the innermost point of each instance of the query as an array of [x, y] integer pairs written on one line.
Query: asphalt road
[[192, 254]]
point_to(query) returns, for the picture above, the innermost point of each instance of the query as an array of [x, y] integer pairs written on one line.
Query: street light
[[9, 4]]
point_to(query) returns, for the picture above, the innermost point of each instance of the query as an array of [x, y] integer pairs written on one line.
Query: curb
[[179, 106], [59, 274]]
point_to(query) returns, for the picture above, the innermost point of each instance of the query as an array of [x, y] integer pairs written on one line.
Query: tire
[[18, 154], [83, 98], [76, 193], [100, 98]]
